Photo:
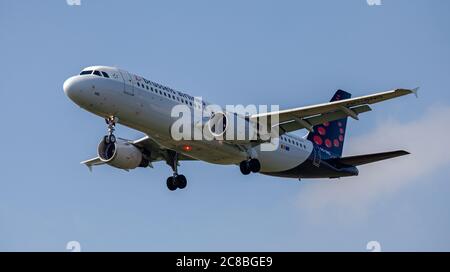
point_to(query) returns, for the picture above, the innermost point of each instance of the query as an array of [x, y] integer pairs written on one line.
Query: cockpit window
[[87, 72], [95, 72]]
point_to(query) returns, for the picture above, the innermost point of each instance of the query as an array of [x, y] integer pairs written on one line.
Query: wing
[[151, 149], [368, 158], [92, 162], [309, 116], [157, 151]]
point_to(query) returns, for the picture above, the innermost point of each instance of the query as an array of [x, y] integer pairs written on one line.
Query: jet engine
[[218, 124], [121, 154], [232, 127]]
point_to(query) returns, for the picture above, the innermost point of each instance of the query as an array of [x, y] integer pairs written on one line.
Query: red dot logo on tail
[[322, 131], [317, 139], [336, 143]]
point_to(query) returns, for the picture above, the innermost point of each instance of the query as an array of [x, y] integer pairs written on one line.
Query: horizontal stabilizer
[[368, 158]]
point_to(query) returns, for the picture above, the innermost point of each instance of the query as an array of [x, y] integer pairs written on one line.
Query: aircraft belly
[[281, 159], [209, 151]]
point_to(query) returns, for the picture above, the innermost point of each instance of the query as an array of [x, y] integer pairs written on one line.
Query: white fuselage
[[146, 106]]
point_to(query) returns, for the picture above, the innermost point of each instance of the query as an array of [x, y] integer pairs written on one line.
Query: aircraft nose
[[72, 88]]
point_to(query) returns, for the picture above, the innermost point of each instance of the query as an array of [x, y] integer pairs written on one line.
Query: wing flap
[[320, 119]]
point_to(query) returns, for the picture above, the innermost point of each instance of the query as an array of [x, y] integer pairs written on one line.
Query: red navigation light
[[187, 148]]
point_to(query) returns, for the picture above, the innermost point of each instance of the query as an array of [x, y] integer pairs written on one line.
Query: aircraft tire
[[254, 165], [171, 184], [181, 181], [245, 168]]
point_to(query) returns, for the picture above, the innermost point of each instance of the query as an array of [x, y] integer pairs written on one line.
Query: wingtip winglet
[[87, 165], [415, 91]]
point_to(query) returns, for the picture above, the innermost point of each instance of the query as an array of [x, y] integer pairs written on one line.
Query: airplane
[[122, 97]]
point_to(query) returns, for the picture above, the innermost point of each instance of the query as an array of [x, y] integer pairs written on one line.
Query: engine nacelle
[[218, 124], [232, 127], [121, 154]]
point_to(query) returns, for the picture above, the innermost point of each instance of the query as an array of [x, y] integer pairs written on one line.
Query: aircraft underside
[[315, 169], [141, 104]]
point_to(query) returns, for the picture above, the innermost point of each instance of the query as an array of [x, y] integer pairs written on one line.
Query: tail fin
[[330, 135]]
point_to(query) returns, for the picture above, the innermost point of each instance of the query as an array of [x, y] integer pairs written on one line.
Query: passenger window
[[88, 72], [105, 74]]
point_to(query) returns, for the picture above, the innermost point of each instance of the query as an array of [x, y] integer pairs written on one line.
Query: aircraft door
[[128, 82]]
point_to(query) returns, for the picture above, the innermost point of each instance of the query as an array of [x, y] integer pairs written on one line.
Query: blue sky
[[290, 53]]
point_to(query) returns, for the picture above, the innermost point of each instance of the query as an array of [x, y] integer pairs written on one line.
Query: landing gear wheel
[[176, 181], [171, 184], [254, 165], [112, 138], [111, 122], [245, 167], [181, 181]]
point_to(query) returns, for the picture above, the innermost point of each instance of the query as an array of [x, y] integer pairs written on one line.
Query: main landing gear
[[176, 181], [251, 165], [111, 122]]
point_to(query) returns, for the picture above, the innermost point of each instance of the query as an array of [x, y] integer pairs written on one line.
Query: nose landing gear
[[111, 122], [248, 166]]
